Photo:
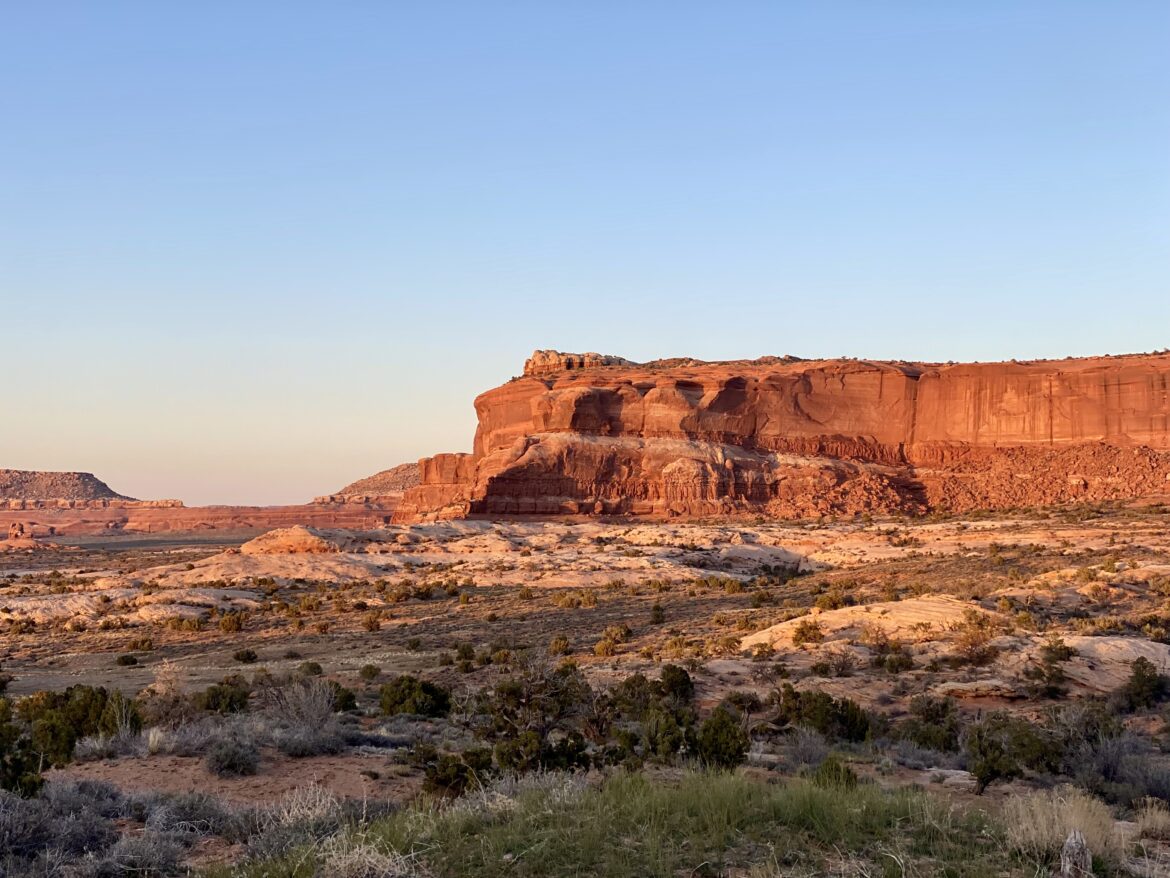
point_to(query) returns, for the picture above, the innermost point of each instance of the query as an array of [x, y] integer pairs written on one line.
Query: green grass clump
[[635, 825]]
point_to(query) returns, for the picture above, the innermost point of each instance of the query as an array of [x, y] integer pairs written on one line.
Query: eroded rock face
[[551, 362], [591, 434]]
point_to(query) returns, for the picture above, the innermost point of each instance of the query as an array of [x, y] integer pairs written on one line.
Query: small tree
[[676, 683], [19, 761], [407, 694], [1000, 747], [722, 742], [1145, 687]]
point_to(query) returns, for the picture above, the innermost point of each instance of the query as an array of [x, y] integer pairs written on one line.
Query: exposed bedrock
[[789, 438]]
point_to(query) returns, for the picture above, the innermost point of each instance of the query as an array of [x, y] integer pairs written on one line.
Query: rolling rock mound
[[790, 438], [32, 489], [389, 484], [298, 540]]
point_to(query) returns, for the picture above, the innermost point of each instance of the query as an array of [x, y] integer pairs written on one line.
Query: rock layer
[[590, 434]]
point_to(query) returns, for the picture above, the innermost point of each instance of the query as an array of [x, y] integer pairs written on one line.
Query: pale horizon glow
[[252, 252]]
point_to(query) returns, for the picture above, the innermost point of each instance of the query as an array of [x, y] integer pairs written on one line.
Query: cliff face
[[791, 438]]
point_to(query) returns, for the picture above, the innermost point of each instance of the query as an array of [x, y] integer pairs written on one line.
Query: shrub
[[230, 696], [302, 741], [369, 672], [20, 764], [231, 623], [676, 684], [833, 774], [973, 639], [528, 752], [310, 669], [605, 648], [372, 621], [245, 656], [665, 734], [407, 694], [465, 652], [559, 645], [657, 614], [722, 743], [835, 718], [343, 698], [1002, 747], [56, 721], [451, 775], [148, 854], [1047, 677], [1145, 687], [933, 724], [744, 701], [520, 753], [897, 661], [119, 715], [233, 756], [807, 631], [126, 661], [807, 746]]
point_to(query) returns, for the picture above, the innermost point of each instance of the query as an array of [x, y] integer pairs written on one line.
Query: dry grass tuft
[[1038, 824], [1153, 820], [355, 857]]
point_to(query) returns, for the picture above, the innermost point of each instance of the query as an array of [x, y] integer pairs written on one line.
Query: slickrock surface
[[298, 540], [788, 438]]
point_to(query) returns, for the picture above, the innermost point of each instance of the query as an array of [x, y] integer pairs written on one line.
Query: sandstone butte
[[791, 438]]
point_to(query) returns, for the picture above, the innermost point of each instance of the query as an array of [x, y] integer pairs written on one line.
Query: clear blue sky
[[251, 251]]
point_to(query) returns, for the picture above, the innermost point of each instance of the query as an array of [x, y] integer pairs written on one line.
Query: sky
[[250, 252]]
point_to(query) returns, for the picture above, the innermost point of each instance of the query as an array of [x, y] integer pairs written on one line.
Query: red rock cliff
[[586, 433]]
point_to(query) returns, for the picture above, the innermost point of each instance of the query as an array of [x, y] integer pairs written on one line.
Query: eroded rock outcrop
[[297, 540], [591, 434]]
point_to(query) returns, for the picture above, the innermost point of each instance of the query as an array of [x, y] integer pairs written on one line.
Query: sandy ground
[[348, 776]]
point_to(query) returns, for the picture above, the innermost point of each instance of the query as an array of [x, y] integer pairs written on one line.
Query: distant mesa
[[45, 505], [18, 484], [589, 434], [386, 486], [35, 489]]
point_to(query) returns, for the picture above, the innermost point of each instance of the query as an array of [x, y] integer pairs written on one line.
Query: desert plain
[[651, 607]]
